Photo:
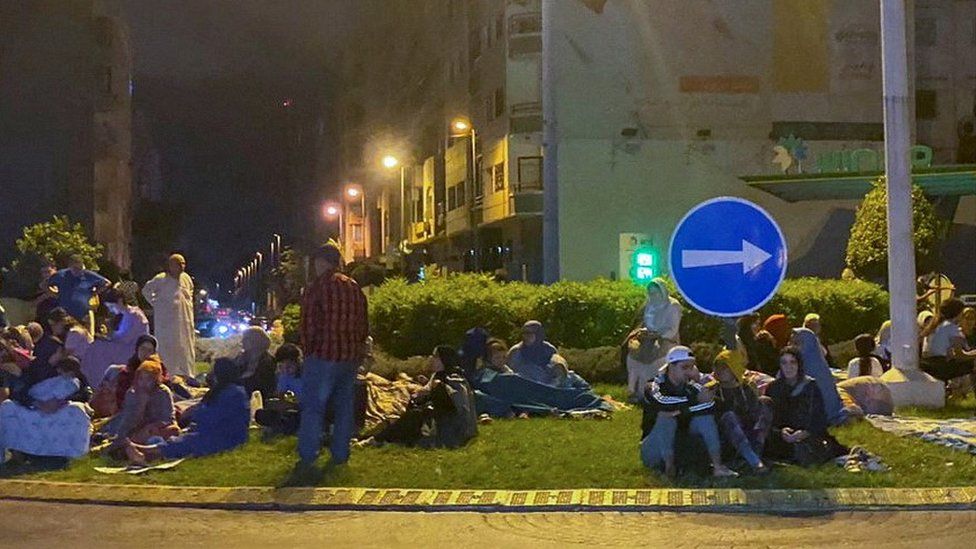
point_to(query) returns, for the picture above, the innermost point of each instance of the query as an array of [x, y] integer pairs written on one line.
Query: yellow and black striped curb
[[725, 500]]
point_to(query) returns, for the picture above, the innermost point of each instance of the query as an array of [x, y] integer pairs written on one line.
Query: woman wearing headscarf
[[799, 430], [882, 342], [647, 347], [256, 363], [148, 409], [815, 366], [779, 327], [171, 295], [218, 424], [123, 375], [758, 345], [531, 357]]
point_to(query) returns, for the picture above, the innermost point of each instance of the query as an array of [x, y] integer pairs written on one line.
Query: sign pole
[[907, 383]]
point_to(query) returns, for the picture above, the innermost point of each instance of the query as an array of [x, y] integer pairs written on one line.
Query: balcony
[[525, 34]]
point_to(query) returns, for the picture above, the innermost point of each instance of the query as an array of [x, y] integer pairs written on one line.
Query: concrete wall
[[699, 85]]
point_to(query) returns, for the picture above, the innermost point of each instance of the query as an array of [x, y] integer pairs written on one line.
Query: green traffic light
[[643, 265]]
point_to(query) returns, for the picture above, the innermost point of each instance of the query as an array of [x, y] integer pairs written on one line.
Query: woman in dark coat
[[799, 432]]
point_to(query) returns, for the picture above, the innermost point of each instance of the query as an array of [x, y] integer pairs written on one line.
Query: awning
[[953, 180]]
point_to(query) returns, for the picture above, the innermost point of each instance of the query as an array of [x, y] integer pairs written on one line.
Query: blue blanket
[[502, 395]]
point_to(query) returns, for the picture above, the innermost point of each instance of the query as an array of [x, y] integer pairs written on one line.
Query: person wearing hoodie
[[815, 366], [779, 327], [531, 357], [743, 418], [799, 428]]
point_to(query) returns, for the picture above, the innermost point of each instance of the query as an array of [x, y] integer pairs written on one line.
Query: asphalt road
[[29, 524]]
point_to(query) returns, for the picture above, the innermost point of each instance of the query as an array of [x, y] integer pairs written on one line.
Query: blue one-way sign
[[727, 257]]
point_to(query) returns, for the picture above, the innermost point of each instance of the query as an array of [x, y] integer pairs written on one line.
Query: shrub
[[846, 307], [411, 319], [867, 248], [52, 240], [290, 318]]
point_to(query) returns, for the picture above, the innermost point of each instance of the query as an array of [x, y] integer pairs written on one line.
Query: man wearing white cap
[[672, 395]]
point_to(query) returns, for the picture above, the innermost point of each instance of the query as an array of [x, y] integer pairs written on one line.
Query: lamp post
[[333, 210], [353, 192], [461, 127], [390, 162]]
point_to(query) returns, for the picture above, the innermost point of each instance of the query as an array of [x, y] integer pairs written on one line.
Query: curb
[[372, 499]]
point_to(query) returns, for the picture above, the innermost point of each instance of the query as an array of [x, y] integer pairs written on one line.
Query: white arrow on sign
[[751, 256]]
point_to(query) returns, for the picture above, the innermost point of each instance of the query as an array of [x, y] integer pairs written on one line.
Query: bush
[[53, 240], [847, 308], [290, 318], [411, 319], [867, 248]]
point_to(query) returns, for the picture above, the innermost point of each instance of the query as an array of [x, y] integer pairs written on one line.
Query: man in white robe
[[171, 295]]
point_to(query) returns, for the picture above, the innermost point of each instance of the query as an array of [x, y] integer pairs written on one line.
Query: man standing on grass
[[334, 328]]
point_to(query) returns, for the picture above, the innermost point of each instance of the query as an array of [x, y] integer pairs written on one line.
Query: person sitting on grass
[[219, 423], [758, 345], [441, 413], [530, 357], [148, 409], [865, 363], [743, 417], [256, 363], [812, 322], [47, 416], [799, 431], [815, 366], [674, 400], [946, 353], [280, 415], [967, 324], [882, 342]]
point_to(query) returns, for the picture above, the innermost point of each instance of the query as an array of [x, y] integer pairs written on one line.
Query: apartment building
[[656, 106], [65, 120], [451, 89]]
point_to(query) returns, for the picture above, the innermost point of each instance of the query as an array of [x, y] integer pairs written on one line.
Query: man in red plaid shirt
[[334, 328]]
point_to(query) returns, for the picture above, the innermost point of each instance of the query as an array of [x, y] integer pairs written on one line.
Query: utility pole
[[909, 385], [550, 143]]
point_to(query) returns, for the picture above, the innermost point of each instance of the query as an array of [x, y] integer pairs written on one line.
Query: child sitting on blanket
[[280, 415]]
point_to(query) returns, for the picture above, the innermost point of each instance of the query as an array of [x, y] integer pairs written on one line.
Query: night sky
[[209, 79]]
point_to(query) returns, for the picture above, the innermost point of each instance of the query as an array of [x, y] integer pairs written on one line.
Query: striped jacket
[[660, 395]]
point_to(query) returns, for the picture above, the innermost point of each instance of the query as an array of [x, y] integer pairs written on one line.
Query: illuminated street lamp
[[390, 161], [333, 211]]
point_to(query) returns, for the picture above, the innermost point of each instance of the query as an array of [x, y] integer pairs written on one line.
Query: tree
[[52, 240], [57, 239], [867, 248], [288, 278]]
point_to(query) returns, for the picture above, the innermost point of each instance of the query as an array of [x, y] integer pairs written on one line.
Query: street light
[[461, 126], [333, 210], [390, 161]]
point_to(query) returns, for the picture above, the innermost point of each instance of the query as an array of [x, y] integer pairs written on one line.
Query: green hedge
[[410, 319]]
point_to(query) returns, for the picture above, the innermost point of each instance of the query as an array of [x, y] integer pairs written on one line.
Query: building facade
[[655, 107], [65, 120]]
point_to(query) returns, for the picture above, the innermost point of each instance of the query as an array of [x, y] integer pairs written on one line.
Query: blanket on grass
[[958, 434], [505, 395], [138, 469]]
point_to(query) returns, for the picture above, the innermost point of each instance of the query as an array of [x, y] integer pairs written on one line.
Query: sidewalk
[[307, 499]]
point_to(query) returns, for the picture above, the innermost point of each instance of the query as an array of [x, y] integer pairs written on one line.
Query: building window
[[460, 194], [357, 232], [499, 102], [926, 105], [527, 23], [498, 177], [530, 172], [479, 187]]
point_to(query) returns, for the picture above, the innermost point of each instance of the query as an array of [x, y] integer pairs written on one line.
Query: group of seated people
[[50, 412]]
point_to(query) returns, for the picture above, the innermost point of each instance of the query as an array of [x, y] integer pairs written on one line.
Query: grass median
[[545, 454]]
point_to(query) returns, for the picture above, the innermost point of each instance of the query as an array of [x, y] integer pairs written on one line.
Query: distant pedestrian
[[334, 328], [76, 287], [171, 295]]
